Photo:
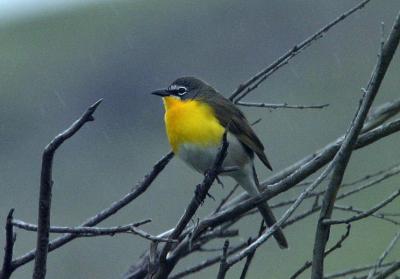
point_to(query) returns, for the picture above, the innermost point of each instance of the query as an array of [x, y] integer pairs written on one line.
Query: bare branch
[[140, 188], [381, 114], [384, 255], [324, 155], [166, 265], [264, 237], [354, 270], [81, 231], [223, 267], [338, 245], [46, 183], [322, 233], [7, 268], [296, 219], [237, 209], [97, 231], [227, 197], [351, 208], [389, 271], [279, 106], [255, 80], [251, 255], [207, 263], [364, 214]]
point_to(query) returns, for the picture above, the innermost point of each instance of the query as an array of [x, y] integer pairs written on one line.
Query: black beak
[[161, 92]]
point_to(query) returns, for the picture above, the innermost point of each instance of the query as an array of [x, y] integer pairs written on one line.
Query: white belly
[[201, 158]]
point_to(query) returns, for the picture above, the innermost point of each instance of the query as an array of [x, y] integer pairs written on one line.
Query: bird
[[196, 119]]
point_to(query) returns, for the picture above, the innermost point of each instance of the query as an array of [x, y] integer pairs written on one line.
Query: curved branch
[[46, 183], [140, 188], [323, 230], [283, 60], [363, 214]]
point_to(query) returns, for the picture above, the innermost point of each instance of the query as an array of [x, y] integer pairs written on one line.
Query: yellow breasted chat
[[196, 117]]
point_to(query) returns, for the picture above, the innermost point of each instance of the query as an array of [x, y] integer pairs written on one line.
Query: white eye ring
[[181, 91]]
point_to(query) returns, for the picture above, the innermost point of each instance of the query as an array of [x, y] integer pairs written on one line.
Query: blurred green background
[[58, 57]]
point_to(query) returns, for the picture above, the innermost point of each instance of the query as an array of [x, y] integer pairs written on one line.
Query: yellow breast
[[190, 121]]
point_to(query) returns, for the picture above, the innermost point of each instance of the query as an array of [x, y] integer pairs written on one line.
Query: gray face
[[186, 87]]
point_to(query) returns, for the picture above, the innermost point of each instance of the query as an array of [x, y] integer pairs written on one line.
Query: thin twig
[[384, 255], [97, 231], [322, 233], [280, 106], [389, 271], [353, 270], [237, 209], [226, 198], [284, 59], [251, 255], [364, 214], [7, 268], [351, 208], [338, 245], [223, 267], [371, 175], [324, 155], [206, 263], [140, 188], [166, 265], [81, 231], [291, 221], [267, 234], [148, 236], [381, 114], [46, 183]]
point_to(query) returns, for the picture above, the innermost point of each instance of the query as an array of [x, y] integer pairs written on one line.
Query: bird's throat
[[192, 122]]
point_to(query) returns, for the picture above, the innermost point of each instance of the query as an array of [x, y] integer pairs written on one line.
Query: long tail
[[269, 219], [248, 180]]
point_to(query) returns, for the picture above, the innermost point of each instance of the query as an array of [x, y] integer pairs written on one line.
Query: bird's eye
[[181, 90]]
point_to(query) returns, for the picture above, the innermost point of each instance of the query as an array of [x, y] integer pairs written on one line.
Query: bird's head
[[185, 88]]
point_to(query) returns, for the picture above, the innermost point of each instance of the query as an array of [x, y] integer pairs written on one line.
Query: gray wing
[[231, 117]]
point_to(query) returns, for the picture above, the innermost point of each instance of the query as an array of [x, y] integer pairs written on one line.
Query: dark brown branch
[[338, 245], [7, 268], [46, 183], [284, 59], [105, 213], [364, 214], [202, 189], [280, 106], [223, 267], [322, 233]]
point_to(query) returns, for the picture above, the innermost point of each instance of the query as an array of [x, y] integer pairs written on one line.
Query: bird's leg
[[210, 196], [198, 195], [219, 182]]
